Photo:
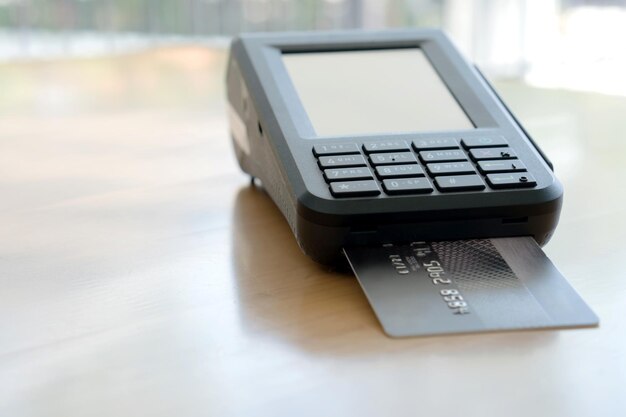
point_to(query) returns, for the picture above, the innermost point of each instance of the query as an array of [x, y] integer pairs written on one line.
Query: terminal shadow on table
[[285, 294]]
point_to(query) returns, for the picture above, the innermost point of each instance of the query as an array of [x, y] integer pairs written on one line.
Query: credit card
[[466, 286]]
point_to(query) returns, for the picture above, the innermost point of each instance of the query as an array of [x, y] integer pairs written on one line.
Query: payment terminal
[[364, 138]]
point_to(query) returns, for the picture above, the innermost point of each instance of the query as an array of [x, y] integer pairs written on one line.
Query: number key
[[386, 146], [342, 161], [393, 158], [342, 174], [407, 186], [335, 149], [443, 156]]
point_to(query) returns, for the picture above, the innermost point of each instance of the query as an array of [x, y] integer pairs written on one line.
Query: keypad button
[[443, 156], [399, 171], [335, 149], [393, 158], [386, 146], [435, 143], [480, 154], [450, 168], [342, 161], [484, 142], [459, 183], [407, 186], [354, 188], [522, 180], [512, 165], [342, 174]]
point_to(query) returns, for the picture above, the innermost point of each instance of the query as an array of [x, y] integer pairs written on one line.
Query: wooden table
[[142, 276]]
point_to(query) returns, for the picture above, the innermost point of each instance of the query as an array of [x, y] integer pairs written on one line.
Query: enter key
[[512, 180]]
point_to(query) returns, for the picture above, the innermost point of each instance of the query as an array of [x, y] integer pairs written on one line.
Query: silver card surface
[[429, 288]]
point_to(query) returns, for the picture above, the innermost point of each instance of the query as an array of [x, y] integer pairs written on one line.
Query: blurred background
[[576, 44]]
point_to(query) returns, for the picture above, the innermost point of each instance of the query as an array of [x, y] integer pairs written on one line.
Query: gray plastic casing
[[273, 140]]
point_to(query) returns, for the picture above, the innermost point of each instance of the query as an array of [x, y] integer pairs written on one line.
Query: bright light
[[589, 54]]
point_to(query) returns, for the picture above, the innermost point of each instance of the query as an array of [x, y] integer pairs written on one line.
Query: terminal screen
[[373, 91]]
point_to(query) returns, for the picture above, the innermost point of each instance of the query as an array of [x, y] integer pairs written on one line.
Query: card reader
[[363, 138]]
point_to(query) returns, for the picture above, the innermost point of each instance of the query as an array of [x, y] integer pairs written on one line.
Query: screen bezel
[[470, 104]]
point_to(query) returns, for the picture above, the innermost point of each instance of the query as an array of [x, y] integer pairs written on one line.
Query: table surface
[[141, 275]]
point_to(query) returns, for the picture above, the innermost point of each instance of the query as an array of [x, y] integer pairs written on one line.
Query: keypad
[[398, 167]]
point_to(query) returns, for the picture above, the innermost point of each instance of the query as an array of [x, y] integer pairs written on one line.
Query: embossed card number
[[422, 257]]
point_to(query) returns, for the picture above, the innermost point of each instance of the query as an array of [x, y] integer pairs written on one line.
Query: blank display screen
[[373, 91]]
